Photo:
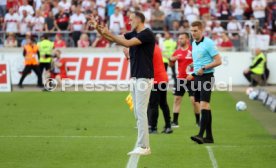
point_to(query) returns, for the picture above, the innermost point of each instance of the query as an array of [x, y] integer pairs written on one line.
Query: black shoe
[[197, 139], [167, 131], [153, 131], [208, 140], [20, 86]]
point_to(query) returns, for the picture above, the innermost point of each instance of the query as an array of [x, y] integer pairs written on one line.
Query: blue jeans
[[239, 17]]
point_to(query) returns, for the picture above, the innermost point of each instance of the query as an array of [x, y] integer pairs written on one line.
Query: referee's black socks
[[175, 117], [209, 134], [203, 122]]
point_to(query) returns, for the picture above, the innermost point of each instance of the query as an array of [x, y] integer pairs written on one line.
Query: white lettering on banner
[[97, 68], [109, 66]]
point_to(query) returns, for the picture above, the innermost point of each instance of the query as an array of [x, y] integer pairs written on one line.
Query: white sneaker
[[140, 151]]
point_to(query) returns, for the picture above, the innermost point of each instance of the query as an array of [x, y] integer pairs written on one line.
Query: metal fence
[[240, 40]]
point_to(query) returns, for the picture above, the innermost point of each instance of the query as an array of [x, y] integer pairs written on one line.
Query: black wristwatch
[[203, 68]]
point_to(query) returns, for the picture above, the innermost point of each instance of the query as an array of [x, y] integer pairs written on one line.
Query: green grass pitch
[[96, 130]]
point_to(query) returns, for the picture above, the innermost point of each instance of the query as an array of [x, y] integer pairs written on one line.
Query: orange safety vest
[[31, 52]]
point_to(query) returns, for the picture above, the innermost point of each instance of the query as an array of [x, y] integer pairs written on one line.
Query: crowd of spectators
[[227, 21]]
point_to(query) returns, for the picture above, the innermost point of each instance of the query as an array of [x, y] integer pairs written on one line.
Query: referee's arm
[[215, 63]]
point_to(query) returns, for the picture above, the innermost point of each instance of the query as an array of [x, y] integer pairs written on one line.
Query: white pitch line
[[212, 157], [133, 161], [53, 136]]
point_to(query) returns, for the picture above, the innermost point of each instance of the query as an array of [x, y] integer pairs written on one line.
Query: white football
[[241, 106], [249, 90], [253, 95]]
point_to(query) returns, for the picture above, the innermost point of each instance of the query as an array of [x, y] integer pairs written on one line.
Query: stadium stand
[[68, 18]]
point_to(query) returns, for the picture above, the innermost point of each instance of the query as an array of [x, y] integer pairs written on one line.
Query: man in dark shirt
[[62, 20], [141, 42]]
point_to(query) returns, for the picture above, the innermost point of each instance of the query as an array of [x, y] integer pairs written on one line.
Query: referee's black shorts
[[203, 87], [183, 86]]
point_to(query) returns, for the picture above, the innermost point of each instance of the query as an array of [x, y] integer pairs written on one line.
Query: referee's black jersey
[[141, 65]]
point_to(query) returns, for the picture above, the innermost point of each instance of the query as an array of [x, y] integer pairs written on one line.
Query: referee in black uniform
[[205, 58]]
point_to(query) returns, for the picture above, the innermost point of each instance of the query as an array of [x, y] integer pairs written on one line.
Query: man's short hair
[[198, 24], [141, 16], [185, 34]]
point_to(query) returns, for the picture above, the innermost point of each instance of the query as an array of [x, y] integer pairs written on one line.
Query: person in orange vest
[[30, 54]]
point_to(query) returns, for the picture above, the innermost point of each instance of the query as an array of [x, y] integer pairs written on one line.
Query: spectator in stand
[[234, 26], [175, 27], [1, 23], [12, 4], [25, 23], [101, 5], [272, 16], [11, 41], [157, 18], [3, 5], [185, 27], [65, 5], [38, 22], [226, 44], [11, 22], [77, 24], [246, 33], [191, 12], [86, 5], [248, 11], [223, 12], [258, 7], [55, 7], [62, 20], [117, 22], [59, 42], [166, 7], [204, 7], [100, 42], [176, 10], [83, 42], [31, 2], [216, 38], [37, 4], [50, 23], [252, 22], [238, 7], [111, 7], [147, 12], [127, 21], [218, 28], [25, 40], [25, 6], [45, 9]]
